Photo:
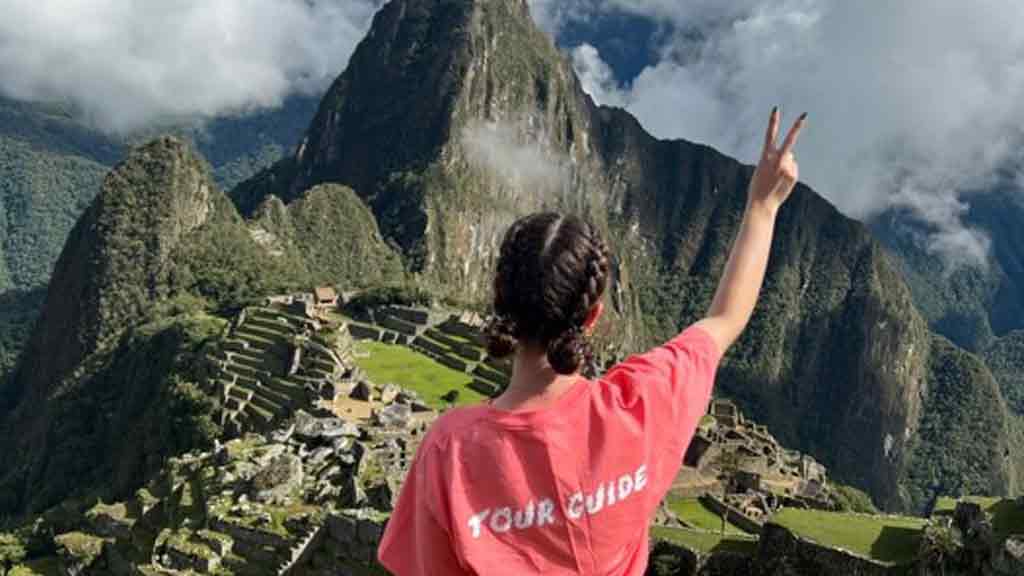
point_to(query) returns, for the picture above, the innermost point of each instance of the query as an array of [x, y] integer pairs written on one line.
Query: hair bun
[[567, 352]]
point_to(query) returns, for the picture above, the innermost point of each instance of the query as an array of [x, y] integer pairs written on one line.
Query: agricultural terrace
[[891, 539], [390, 363], [706, 542], [693, 512]]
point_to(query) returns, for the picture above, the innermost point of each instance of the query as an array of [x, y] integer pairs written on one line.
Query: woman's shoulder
[[453, 424]]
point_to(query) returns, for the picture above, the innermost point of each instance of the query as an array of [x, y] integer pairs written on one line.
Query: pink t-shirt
[[570, 489]]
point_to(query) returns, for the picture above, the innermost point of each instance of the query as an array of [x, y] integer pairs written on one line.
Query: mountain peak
[[116, 260], [394, 124]]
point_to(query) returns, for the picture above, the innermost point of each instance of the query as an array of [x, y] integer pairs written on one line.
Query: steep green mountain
[[1006, 359], [335, 234], [52, 165], [966, 437], [456, 116], [121, 333], [979, 307]]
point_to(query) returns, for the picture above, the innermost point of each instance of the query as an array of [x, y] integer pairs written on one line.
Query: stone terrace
[[274, 361]]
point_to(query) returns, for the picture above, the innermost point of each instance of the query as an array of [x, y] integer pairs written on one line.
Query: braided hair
[[552, 270]]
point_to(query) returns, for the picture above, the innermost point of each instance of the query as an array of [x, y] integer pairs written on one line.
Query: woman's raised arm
[[770, 186]]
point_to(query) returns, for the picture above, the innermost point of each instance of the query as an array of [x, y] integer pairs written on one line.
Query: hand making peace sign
[[777, 171]]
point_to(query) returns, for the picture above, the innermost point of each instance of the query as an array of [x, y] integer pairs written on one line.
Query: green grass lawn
[[389, 363], [948, 505], [692, 511], [891, 539], [706, 542], [1007, 516]]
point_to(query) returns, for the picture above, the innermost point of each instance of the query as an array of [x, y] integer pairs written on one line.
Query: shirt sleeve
[[416, 541], [671, 386]]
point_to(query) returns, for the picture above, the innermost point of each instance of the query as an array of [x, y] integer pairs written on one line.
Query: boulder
[[279, 479], [350, 493], [389, 393], [383, 495], [394, 416], [311, 429], [283, 434]]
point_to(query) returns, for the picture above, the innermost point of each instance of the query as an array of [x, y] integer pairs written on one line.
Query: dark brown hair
[[552, 270]]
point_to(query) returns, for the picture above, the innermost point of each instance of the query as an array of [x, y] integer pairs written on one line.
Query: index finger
[[794, 132], [773, 130]]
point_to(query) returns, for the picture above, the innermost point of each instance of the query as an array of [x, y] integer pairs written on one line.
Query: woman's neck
[[534, 384]]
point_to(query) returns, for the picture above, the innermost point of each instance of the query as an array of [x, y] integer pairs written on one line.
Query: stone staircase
[[298, 553]]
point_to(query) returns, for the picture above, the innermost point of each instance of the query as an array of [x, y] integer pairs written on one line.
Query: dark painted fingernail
[[775, 110], [803, 116]]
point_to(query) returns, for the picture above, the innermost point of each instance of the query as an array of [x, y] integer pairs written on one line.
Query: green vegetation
[[335, 234], [409, 294], [52, 166], [42, 194], [39, 567], [400, 365], [946, 505], [19, 310], [962, 440], [851, 499], [691, 510], [1006, 360], [12, 551], [892, 539], [706, 542], [144, 388]]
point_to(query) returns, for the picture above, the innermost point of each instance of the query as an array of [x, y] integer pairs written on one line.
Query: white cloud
[[126, 65], [913, 104], [596, 76], [516, 155]]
